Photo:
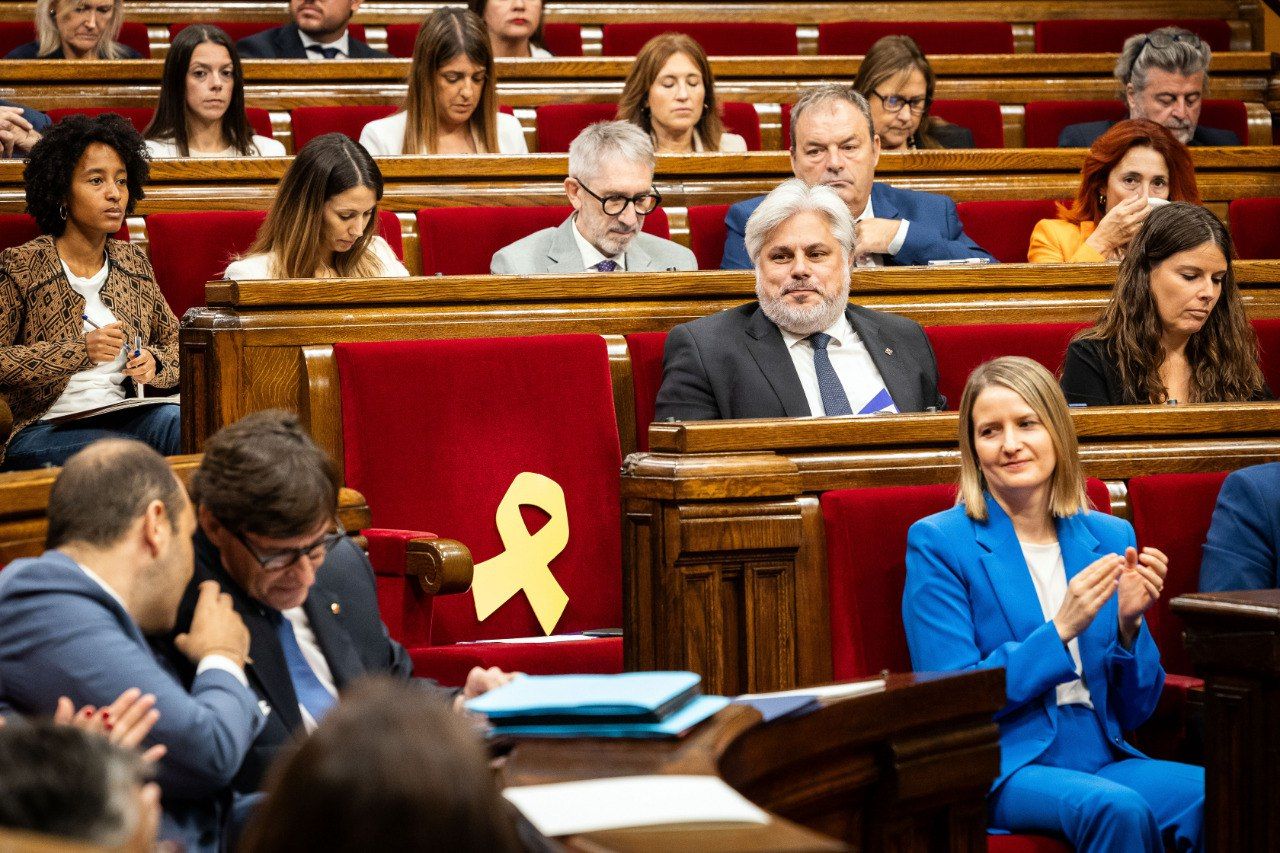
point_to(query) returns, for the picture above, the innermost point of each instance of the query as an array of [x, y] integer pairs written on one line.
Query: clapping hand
[[126, 721], [1141, 583], [1086, 593]]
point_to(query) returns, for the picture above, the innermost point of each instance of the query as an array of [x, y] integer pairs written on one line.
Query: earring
[[1102, 200], [62, 211]]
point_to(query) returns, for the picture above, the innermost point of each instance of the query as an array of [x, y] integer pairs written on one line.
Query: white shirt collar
[[343, 44], [590, 254], [841, 332]]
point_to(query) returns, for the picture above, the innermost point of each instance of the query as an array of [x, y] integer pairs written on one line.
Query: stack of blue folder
[[630, 704]]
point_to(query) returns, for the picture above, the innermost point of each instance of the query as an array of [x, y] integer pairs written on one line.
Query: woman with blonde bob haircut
[[670, 94], [1020, 574], [324, 221], [76, 29], [452, 106]]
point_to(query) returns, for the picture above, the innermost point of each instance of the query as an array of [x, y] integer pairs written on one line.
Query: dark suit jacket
[[39, 121], [1243, 547], [343, 611], [735, 364], [31, 48], [1082, 135], [285, 43], [935, 232], [949, 135], [1090, 377]]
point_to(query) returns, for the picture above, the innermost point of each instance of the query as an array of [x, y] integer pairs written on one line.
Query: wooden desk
[[907, 768]]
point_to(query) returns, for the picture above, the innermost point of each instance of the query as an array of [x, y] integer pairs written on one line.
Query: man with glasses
[[610, 186], [1163, 76], [833, 143], [266, 502]]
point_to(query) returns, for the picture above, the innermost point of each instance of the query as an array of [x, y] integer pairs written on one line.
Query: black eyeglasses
[[283, 558], [613, 205], [894, 103]]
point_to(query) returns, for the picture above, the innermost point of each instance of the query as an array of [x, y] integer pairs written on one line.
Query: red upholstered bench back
[[982, 117], [560, 39], [18, 228], [485, 230], [132, 34], [559, 124], [719, 38], [866, 531], [646, 349], [1172, 512], [435, 432], [1004, 228], [310, 122], [1253, 227], [706, 234], [1108, 36], [139, 117], [856, 37], [959, 349], [1268, 332]]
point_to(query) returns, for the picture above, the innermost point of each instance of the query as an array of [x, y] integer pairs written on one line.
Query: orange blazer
[[1057, 241]]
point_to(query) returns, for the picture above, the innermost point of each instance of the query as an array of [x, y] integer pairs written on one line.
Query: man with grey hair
[[610, 186], [1163, 76], [801, 349], [834, 143]]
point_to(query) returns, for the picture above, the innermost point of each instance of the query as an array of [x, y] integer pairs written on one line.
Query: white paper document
[[828, 691], [567, 808], [518, 641]]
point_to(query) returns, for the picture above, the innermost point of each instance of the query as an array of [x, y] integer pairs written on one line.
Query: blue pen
[[85, 317], [137, 346]]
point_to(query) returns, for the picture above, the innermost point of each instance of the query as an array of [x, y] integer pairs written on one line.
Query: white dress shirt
[[591, 255], [1049, 575], [895, 245], [258, 267], [99, 385], [385, 136], [343, 44], [858, 374], [314, 657]]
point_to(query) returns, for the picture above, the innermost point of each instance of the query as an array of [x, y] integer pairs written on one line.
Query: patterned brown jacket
[[42, 340]]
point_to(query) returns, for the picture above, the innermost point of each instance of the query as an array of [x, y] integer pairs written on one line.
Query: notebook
[[628, 697]]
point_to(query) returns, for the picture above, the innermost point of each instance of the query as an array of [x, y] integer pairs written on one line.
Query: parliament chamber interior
[[566, 441]]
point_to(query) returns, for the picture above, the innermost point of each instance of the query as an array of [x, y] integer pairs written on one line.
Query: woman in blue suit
[[1021, 574]]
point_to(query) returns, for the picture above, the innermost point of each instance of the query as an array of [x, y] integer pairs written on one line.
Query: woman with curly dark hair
[[1175, 329], [83, 325]]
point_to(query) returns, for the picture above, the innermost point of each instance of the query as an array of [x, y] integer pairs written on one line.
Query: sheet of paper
[[567, 808], [552, 638], [828, 691]]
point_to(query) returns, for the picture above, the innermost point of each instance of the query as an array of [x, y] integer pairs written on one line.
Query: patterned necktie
[[326, 52], [306, 684], [834, 401], [606, 266]]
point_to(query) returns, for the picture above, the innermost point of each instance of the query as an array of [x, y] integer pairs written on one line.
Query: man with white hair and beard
[[802, 349]]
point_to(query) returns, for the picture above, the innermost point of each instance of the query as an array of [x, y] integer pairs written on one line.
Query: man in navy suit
[[72, 623], [833, 143], [318, 32], [1243, 547]]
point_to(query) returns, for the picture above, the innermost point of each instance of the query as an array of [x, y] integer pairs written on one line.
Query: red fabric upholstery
[[786, 127], [449, 665], [18, 228], [405, 607], [853, 38], [563, 39], [706, 234], [310, 122], [742, 119], [719, 38], [558, 124], [189, 249], [488, 229], [401, 38], [646, 350], [1108, 36], [260, 120], [1226, 115], [14, 34], [1253, 227], [1045, 120], [1004, 228], [134, 34], [447, 446], [1268, 332], [243, 29], [959, 349], [980, 116], [1172, 512], [139, 117], [389, 230], [1026, 844]]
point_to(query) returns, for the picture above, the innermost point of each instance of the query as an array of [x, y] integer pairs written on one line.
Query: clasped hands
[[1138, 579], [105, 344]]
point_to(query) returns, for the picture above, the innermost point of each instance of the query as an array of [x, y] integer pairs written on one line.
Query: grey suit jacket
[[553, 250], [735, 364], [64, 635]]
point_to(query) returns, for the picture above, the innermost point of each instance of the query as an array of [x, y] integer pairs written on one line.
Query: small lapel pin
[[335, 608], [888, 350]]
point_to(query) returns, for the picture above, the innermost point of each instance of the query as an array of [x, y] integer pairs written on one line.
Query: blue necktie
[[834, 401], [326, 52], [606, 266], [306, 684]]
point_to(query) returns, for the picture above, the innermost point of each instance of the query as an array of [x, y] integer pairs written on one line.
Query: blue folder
[[673, 726], [625, 697]]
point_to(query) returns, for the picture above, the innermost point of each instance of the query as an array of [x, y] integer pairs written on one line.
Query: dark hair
[[104, 488], [62, 781], [447, 33], [390, 768], [889, 57], [1111, 147], [1223, 354], [478, 7], [53, 160], [170, 120], [263, 474]]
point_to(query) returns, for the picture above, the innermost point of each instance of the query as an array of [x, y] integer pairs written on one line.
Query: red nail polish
[[106, 713], [107, 725]]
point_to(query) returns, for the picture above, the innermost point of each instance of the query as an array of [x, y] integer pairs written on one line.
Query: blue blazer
[[935, 232], [969, 603], [1241, 549], [62, 634]]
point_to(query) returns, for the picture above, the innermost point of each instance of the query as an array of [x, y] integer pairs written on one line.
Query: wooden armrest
[[442, 566]]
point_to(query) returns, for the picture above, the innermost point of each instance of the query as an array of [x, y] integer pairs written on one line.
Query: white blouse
[[386, 135], [258, 267], [262, 146]]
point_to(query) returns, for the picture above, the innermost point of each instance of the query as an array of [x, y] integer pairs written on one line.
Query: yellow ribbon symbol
[[525, 562]]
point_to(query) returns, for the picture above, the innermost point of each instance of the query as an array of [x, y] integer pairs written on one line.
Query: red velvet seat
[[1108, 35], [1253, 227], [18, 228], [445, 448], [1004, 228], [982, 117], [15, 34], [959, 349], [134, 34], [1045, 119], [560, 39], [1026, 844], [741, 118], [707, 234], [1268, 332], [559, 124], [260, 121], [310, 122], [646, 349], [488, 229], [237, 30], [719, 38], [854, 38], [139, 117]]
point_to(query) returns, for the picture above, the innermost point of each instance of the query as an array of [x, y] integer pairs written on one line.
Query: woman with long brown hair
[[452, 107], [898, 82], [1175, 329]]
